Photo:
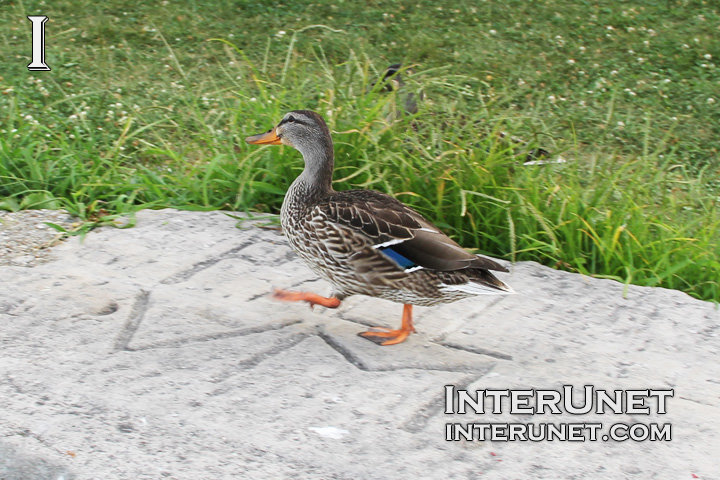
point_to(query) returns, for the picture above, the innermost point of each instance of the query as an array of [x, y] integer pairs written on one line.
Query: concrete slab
[[156, 352]]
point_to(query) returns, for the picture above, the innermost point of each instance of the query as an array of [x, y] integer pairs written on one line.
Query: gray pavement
[[155, 352]]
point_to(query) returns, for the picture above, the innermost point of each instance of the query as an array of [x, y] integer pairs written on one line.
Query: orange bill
[[268, 138]]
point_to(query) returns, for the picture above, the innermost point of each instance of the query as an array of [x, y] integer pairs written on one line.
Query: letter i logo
[[38, 43]]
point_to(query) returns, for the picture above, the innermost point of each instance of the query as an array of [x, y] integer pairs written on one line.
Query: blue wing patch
[[396, 257]]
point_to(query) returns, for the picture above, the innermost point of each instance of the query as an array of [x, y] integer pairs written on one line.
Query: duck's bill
[[267, 138]]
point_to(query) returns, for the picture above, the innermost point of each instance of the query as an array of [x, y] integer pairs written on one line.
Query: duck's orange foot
[[311, 298], [386, 336]]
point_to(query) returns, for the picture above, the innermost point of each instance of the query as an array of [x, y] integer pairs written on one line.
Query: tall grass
[[639, 216]]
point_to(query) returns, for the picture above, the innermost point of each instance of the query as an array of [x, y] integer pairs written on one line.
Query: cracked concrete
[[156, 352]]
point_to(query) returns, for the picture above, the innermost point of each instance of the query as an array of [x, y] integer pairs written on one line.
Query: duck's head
[[391, 79], [307, 132], [301, 129]]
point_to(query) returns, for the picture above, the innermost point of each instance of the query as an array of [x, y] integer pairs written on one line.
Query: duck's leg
[[311, 298], [386, 336]]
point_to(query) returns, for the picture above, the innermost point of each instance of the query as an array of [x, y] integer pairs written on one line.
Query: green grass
[[147, 107]]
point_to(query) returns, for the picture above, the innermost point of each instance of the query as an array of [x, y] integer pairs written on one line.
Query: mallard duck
[[366, 242], [392, 81]]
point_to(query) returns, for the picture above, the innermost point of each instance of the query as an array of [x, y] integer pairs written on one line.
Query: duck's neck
[[319, 165]]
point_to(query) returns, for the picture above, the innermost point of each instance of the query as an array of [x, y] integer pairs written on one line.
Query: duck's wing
[[398, 232]]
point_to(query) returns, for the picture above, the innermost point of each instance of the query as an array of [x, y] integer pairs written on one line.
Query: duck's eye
[[291, 119]]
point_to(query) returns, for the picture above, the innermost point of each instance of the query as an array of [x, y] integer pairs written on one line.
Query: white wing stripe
[[394, 241]]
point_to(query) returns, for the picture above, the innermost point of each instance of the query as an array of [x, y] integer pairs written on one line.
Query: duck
[[392, 81], [365, 242]]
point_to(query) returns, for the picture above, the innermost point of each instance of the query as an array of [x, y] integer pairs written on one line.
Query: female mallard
[[392, 81], [366, 242]]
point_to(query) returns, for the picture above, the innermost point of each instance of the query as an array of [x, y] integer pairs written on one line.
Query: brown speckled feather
[[383, 219]]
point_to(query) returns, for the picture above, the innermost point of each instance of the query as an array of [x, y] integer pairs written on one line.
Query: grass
[[148, 107]]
